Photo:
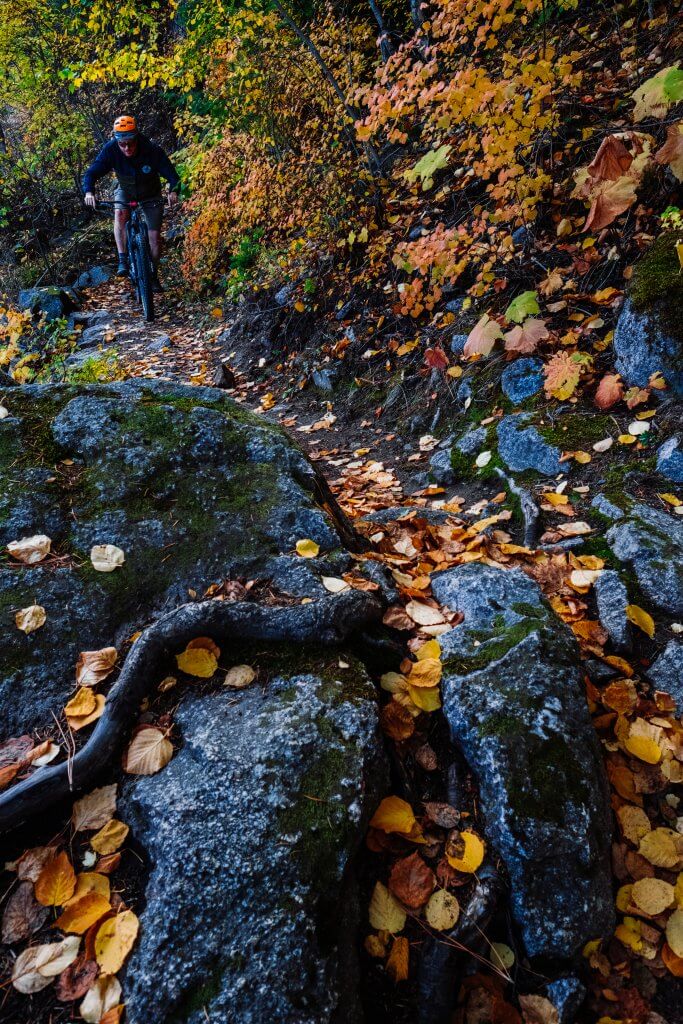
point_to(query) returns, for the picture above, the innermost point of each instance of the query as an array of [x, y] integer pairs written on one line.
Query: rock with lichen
[[648, 338], [515, 704], [251, 910], [191, 487]]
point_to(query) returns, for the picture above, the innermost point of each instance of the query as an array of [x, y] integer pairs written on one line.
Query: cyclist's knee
[[121, 216]]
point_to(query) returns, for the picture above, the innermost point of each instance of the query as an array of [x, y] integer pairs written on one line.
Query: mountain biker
[[138, 164]]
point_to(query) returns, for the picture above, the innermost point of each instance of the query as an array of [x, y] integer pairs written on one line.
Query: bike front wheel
[[143, 272]]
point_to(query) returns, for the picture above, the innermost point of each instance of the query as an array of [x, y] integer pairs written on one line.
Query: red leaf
[[411, 881], [436, 358]]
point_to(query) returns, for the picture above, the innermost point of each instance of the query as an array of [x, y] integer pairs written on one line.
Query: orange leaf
[[56, 882]]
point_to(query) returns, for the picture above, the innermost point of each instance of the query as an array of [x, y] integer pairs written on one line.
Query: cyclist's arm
[[101, 165]]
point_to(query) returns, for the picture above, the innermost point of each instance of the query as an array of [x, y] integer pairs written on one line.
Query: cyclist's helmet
[[125, 128]]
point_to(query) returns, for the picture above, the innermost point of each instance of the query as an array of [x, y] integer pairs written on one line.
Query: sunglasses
[[127, 145]]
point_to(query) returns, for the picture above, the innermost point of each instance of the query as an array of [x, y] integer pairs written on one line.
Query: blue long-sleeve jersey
[[138, 175]]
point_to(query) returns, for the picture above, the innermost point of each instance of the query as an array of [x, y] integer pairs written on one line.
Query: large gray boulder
[[666, 672], [648, 337], [251, 911], [193, 489], [514, 700]]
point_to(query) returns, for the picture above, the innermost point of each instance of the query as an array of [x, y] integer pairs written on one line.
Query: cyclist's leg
[[154, 213], [121, 217]]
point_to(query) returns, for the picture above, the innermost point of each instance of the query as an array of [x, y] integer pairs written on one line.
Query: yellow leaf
[[431, 649], [299, 306], [582, 457], [425, 673], [90, 881], [77, 722], [674, 932], [642, 619], [110, 837], [394, 815], [82, 914], [472, 856], [626, 439], [644, 749], [82, 704], [671, 499], [31, 618], [114, 941], [307, 548], [197, 662], [56, 882], [426, 698], [652, 895], [442, 911], [628, 933], [662, 847], [239, 676], [454, 371], [385, 912]]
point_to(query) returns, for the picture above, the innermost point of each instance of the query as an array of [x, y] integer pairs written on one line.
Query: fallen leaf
[[482, 337], [93, 667], [640, 618], [538, 1010], [56, 882], [483, 459], [399, 959], [674, 932], [673, 963], [426, 698], [77, 722], [412, 881], [307, 548], [31, 618], [394, 815], [470, 858], [661, 848], [23, 914], [82, 914], [148, 752], [82, 704], [526, 337], [396, 721], [198, 662], [522, 306], [90, 881], [31, 863], [94, 809], [102, 997], [671, 152], [77, 979], [333, 584], [610, 391], [654, 97], [110, 837], [442, 911], [385, 913], [106, 557], [502, 957], [113, 1015], [604, 445], [425, 673], [424, 614], [30, 550], [240, 676], [644, 749], [35, 968], [652, 895]]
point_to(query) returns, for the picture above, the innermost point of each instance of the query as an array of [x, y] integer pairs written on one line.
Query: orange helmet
[[125, 127]]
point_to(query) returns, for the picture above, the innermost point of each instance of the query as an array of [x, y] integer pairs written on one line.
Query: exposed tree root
[[322, 623]]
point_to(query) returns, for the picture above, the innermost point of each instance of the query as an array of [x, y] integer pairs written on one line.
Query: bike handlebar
[[132, 203]]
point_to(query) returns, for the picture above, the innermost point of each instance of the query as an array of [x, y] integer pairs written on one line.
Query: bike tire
[[143, 272]]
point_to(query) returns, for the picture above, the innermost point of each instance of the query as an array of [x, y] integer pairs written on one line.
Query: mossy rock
[[649, 336], [514, 700], [251, 912], [192, 487]]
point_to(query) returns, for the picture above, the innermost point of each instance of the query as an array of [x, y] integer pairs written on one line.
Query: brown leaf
[[15, 750], [442, 814], [8, 774], [149, 751], [436, 358], [398, 962], [93, 667], [31, 863], [611, 161], [412, 881], [113, 1015], [23, 915], [610, 391], [396, 617], [95, 809], [426, 758], [396, 721], [77, 979]]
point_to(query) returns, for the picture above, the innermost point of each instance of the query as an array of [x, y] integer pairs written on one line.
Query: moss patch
[[658, 276]]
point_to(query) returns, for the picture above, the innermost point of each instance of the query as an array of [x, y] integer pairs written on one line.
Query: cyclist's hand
[[172, 198], [90, 199]]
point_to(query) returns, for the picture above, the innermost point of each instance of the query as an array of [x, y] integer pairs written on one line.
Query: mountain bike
[[140, 267]]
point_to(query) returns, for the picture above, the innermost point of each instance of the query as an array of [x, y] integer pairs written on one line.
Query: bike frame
[[140, 268]]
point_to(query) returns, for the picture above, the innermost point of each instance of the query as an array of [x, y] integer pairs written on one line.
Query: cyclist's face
[[128, 146]]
